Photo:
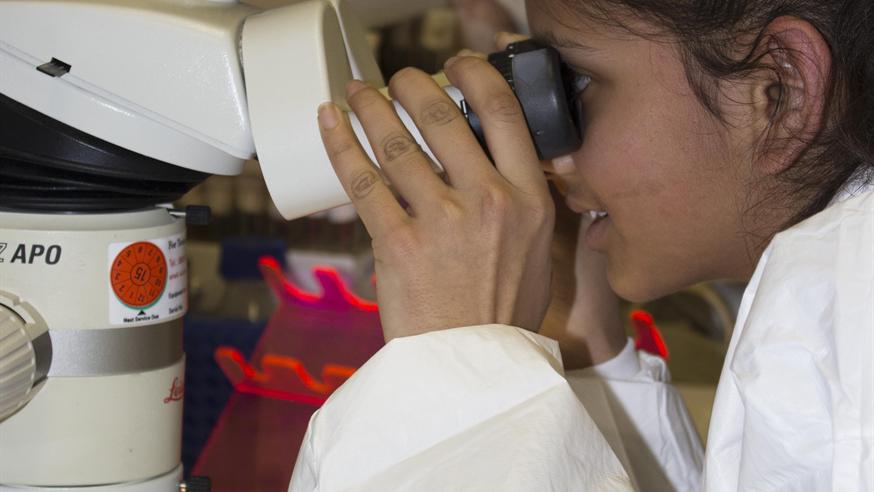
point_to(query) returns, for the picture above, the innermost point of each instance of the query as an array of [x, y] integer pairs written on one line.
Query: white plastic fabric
[[489, 408], [794, 408], [464, 409], [643, 418]]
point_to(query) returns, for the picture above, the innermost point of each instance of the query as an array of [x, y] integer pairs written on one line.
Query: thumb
[[503, 39]]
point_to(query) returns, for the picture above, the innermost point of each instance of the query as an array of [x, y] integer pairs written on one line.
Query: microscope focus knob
[[18, 363]]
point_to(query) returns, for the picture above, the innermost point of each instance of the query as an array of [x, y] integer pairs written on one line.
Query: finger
[[443, 127], [399, 156], [504, 39], [467, 52], [374, 201], [503, 121]]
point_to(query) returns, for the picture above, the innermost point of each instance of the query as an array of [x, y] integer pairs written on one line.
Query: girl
[[724, 139]]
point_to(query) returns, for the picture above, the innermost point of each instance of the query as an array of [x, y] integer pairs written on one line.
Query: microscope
[[111, 109]]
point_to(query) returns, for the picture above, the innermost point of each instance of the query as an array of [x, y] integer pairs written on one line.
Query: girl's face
[[674, 181]]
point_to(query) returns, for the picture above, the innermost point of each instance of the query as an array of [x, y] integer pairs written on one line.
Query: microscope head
[[109, 105]]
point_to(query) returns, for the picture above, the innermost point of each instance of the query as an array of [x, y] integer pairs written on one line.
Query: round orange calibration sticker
[[139, 274]]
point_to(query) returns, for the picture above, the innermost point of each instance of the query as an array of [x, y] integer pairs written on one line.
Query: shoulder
[[812, 294], [799, 369], [818, 258]]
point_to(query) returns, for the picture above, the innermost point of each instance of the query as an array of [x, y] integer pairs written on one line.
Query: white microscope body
[[111, 108]]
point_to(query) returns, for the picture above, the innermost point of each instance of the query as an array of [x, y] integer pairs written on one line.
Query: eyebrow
[[555, 41]]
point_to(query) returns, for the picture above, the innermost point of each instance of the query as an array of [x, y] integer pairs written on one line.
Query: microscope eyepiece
[[543, 86]]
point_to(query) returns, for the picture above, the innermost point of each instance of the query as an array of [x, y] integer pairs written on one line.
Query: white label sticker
[[148, 281]]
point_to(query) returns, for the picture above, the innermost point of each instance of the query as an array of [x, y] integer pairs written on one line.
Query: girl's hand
[[585, 316], [595, 316], [470, 250]]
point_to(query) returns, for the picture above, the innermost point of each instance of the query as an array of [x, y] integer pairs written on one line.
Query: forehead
[[614, 45], [567, 23], [550, 17]]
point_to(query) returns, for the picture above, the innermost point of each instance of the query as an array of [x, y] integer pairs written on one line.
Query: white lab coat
[[490, 408]]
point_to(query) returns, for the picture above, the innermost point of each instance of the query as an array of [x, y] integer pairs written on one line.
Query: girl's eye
[[580, 82]]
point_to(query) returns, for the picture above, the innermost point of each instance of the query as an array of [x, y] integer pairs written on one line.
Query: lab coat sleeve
[[643, 418], [475, 408]]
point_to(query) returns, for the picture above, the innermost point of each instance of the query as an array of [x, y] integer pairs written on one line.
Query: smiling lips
[[596, 234]]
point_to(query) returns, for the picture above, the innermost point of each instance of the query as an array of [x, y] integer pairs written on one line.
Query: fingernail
[[354, 86], [328, 116], [564, 164], [450, 62], [465, 52]]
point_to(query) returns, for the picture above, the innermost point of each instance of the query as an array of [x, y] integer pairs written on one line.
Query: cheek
[[635, 158], [653, 165]]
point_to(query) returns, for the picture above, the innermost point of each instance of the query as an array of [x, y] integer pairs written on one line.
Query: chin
[[636, 295], [637, 288]]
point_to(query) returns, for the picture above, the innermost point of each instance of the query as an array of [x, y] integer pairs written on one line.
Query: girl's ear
[[789, 94]]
